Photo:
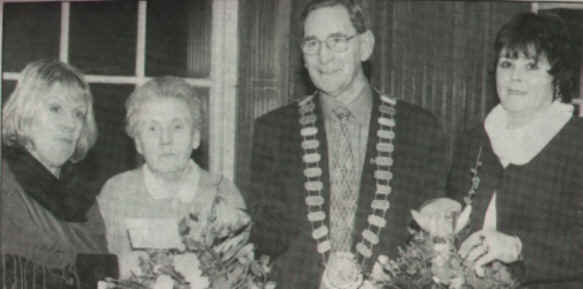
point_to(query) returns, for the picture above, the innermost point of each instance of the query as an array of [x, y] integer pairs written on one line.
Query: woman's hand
[[485, 246]]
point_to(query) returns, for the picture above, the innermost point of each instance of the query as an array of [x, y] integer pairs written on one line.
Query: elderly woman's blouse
[[538, 184], [138, 194]]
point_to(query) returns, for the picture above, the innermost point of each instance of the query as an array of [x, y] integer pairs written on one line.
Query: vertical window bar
[[141, 42], [215, 93], [223, 92], [1, 96], [230, 69], [64, 41], [534, 7], [1, 42]]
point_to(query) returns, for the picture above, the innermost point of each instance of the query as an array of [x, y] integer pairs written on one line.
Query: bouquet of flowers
[[215, 255], [431, 260]]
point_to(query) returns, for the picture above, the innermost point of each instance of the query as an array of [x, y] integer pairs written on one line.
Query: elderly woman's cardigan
[[42, 237], [125, 196], [541, 202]]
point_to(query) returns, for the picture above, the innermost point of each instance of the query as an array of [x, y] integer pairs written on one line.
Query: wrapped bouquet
[[215, 254], [431, 260]]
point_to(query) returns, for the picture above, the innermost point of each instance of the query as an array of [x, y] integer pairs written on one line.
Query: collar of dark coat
[[66, 198]]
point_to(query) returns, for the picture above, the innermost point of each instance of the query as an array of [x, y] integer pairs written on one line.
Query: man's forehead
[[326, 21]]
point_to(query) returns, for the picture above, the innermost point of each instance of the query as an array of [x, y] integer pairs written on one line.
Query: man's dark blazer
[[277, 201]]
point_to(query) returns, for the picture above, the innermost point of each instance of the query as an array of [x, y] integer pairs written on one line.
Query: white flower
[[163, 282], [457, 282], [130, 263], [442, 217], [246, 254], [270, 285], [367, 284], [229, 219], [231, 247], [378, 274], [187, 264], [102, 285]]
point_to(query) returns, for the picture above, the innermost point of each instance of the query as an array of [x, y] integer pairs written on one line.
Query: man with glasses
[[336, 173]]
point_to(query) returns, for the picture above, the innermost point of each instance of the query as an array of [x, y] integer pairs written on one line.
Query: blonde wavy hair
[[25, 101]]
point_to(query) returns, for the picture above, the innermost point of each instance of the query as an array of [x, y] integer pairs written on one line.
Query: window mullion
[[141, 41], [223, 92], [65, 25], [1, 82]]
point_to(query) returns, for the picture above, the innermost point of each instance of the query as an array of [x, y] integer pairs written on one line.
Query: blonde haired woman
[[48, 220]]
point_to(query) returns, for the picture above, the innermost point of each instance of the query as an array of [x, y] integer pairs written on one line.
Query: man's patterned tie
[[343, 199]]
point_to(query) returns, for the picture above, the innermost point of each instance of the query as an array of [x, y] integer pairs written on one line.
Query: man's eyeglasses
[[336, 43]]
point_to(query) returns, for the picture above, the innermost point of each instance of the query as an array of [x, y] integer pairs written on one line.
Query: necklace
[[314, 185], [475, 179]]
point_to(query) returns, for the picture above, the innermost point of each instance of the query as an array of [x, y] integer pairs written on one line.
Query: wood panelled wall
[[437, 54]]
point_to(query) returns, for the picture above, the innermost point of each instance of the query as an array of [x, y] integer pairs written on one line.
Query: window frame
[[222, 81]]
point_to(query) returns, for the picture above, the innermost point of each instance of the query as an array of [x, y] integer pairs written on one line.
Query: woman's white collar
[[519, 146], [186, 187]]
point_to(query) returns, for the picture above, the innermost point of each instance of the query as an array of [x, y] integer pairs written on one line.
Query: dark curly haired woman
[[529, 152]]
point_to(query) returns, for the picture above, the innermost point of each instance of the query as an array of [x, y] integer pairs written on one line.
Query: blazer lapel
[[324, 162], [367, 181]]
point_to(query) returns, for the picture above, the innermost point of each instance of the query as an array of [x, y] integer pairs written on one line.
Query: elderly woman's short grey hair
[[25, 101], [159, 88]]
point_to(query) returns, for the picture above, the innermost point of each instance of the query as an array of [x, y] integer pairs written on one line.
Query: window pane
[[178, 38], [7, 88], [103, 37], [201, 155], [31, 32], [114, 151]]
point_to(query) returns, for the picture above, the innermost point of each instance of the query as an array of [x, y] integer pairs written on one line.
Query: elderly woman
[[164, 117], [48, 220], [526, 160]]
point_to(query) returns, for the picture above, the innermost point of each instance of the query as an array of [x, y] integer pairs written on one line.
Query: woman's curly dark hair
[[549, 35]]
